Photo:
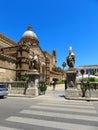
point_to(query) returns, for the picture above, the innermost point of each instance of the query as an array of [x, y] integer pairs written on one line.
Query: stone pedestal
[[71, 90], [72, 93], [33, 83], [71, 78], [32, 91], [34, 76]]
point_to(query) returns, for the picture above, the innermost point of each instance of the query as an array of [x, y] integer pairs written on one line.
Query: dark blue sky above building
[[58, 24]]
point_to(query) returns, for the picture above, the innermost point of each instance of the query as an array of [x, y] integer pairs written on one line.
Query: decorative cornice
[[7, 39], [54, 72], [7, 58], [8, 68]]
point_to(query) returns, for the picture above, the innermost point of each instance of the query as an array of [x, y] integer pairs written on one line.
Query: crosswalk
[[55, 115]]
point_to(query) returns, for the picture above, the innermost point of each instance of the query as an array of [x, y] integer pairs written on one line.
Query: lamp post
[[83, 88], [88, 74], [82, 72]]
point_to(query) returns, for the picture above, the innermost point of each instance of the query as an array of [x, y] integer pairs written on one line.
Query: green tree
[[24, 78], [55, 79], [92, 71]]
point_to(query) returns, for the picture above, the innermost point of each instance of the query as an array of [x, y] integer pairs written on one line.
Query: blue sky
[[58, 24]]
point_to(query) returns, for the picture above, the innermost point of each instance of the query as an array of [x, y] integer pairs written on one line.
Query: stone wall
[[7, 71], [7, 65], [7, 75], [21, 88]]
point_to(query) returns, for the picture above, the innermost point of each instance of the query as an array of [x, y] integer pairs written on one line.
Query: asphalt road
[[48, 112]]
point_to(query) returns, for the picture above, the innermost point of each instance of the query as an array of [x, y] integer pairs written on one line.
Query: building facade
[[16, 59], [88, 69]]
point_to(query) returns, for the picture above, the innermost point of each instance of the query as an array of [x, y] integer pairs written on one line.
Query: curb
[[18, 95], [81, 98]]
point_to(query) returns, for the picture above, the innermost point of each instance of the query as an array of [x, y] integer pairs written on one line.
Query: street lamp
[[82, 72]]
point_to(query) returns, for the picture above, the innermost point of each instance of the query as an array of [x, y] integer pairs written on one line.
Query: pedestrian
[[65, 84], [54, 85], [50, 84]]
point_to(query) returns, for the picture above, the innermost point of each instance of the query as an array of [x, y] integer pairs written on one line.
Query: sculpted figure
[[34, 62], [35, 65], [70, 58]]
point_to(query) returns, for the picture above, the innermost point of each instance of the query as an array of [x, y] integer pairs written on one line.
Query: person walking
[[54, 85]]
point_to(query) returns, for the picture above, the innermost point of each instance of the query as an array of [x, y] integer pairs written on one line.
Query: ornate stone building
[[16, 58]]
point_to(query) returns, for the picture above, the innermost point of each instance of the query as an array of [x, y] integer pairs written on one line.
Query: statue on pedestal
[[71, 73], [70, 88], [33, 75]]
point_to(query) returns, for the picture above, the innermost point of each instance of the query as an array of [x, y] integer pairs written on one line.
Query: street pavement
[[53, 112]]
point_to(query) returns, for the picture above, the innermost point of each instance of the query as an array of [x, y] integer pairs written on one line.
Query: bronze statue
[[70, 58]]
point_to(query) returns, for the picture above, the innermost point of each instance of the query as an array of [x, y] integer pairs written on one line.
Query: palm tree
[[64, 65]]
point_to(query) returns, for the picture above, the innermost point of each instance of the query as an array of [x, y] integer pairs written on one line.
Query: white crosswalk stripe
[[51, 115], [60, 115], [52, 124], [67, 102], [64, 109], [7, 128], [69, 105]]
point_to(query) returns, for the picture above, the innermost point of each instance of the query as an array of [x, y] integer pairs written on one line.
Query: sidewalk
[[57, 94]]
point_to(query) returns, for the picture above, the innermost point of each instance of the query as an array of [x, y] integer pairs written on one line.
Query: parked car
[[3, 90]]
